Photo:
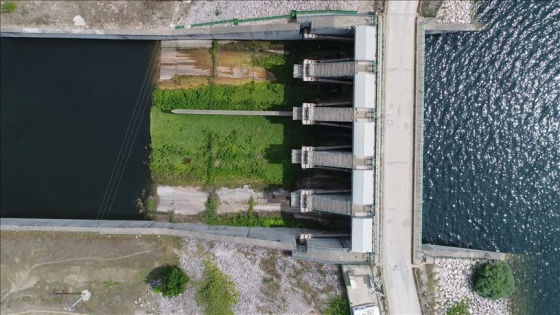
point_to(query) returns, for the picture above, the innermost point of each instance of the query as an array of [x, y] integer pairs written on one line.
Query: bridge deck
[[397, 165]]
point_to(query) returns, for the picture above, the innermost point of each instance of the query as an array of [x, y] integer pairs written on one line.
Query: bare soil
[[97, 14], [182, 68], [42, 272]]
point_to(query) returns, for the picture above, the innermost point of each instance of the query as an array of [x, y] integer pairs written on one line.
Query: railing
[[293, 15], [418, 145], [378, 107]]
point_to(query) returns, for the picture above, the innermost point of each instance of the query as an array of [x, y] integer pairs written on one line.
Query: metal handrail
[[418, 145]]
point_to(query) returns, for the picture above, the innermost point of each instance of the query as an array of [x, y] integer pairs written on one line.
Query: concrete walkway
[[464, 253], [232, 112], [275, 238], [396, 252]]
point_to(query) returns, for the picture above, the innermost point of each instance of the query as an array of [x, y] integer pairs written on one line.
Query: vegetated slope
[[231, 151], [206, 150]]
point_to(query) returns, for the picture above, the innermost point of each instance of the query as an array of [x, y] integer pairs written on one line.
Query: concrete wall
[[241, 32], [275, 238], [457, 252], [439, 28]]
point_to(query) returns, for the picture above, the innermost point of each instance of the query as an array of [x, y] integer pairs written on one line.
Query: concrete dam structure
[[385, 158], [361, 71]]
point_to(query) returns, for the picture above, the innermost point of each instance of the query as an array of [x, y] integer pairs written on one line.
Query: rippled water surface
[[492, 140]]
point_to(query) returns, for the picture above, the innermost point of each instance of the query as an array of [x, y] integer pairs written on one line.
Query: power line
[[110, 190]]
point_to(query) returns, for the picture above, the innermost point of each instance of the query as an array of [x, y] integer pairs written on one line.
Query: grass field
[[231, 151], [219, 150]]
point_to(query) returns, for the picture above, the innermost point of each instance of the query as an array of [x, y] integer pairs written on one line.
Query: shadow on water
[[75, 127]]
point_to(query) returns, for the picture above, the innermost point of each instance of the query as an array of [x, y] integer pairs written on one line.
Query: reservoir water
[[492, 141], [74, 127]]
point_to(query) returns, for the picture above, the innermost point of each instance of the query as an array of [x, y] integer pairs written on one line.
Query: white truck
[[366, 309]]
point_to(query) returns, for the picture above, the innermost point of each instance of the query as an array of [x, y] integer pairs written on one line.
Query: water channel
[[74, 127], [492, 141]]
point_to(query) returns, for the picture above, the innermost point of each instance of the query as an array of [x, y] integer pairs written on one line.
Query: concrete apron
[[191, 200]]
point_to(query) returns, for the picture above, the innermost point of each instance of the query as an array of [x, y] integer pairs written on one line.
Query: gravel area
[[454, 284], [455, 11], [149, 14], [209, 11], [78, 14], [268, 281]]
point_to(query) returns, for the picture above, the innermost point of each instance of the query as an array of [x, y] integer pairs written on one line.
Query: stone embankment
[[268, 281], [149, 14], [209, 11], [454, 282], [455, 12]]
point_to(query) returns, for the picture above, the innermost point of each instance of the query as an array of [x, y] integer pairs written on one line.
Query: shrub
[[248, 96], [217, 291], [461, 308], [8, 7], [494, 281], [173, 282], [212, 204], [337, 306]]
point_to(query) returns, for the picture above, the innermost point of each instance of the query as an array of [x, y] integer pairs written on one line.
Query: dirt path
[[190, 67], [23, 277], [37, 266], [191, 200]]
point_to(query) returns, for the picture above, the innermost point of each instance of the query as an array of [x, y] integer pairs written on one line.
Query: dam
[[387, 142]]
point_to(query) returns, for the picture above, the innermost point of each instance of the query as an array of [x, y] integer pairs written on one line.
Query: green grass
[[110, 284], [217, 291], [8, 7], [232, 151], [282, 93], [252, 220], [225, 151], [337, 306], [460, 308], [250, 96]]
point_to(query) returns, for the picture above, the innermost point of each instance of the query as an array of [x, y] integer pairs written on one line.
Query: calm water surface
[[492, 140], [74, 133]]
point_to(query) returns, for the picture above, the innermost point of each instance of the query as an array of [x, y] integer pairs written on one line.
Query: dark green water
[[74, 127], [492, 141]]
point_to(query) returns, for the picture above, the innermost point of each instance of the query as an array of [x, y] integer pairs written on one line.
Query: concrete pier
[[456, 252], [432, 27], [232, 112]]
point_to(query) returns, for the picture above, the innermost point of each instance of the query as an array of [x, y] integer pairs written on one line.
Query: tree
[[173, 282], [494, 281]]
